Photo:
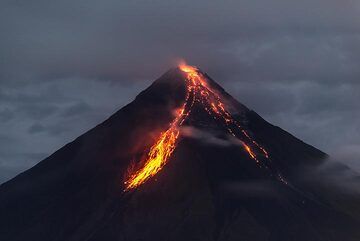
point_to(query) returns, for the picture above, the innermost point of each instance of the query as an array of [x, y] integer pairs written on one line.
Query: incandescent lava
[[197, 90]]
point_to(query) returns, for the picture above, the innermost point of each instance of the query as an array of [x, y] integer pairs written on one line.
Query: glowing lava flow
[[215, 107], [197, 91], [159, 153]]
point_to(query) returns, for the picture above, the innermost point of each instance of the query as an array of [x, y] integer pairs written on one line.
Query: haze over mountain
[[218, 172]]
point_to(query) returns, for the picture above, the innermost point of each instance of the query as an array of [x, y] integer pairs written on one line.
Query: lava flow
[[159, 153], [197, 91]]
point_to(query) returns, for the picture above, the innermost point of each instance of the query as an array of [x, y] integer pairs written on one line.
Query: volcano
[[183, 161]]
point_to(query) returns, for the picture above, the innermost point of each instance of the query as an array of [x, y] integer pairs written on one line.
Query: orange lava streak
[[159, 153], [213, 100]]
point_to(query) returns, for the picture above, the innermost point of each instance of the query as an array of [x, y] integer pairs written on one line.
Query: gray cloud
[[66, 66], [6, 115], [76, 109], [334, 174], [36, 128], [210, 138]]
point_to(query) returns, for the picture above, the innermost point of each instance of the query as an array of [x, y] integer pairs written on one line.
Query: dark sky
[[67, 65]]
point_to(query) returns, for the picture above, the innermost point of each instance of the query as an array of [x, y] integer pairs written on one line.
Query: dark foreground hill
[[210, 188]]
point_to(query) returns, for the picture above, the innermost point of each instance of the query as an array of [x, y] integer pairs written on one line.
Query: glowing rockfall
[[158, 154]]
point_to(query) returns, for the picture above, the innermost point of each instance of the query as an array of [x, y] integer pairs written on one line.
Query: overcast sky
[[67, 65]]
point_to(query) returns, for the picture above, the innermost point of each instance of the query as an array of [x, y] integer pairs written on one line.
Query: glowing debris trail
[[159, 153], [197, 91], [215, 107]]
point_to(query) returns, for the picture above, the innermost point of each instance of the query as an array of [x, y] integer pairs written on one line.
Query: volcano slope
[[183, 161]]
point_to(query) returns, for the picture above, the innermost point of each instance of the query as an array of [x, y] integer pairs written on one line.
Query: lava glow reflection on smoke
[[197, 91]]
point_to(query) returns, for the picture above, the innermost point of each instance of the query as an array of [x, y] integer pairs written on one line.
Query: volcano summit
[[199, 92], [183, 161]]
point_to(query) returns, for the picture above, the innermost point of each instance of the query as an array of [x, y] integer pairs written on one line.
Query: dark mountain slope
[[209, 190]]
